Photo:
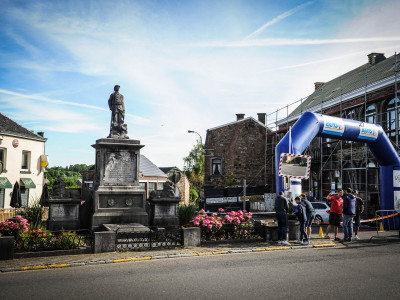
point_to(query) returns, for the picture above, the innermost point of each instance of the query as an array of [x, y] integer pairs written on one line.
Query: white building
[[21, 153]]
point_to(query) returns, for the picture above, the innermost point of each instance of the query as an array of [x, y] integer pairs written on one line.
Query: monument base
[[164, 212], [119, 205], [118, 198], [63, 214]]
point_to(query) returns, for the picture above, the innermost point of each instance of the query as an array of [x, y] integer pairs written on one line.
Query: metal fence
[[151, 238], [42, 240]]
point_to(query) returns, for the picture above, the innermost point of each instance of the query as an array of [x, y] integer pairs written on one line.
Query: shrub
[[36, 239], [234, 225], [34, 213], [186, 213], [16, 229], [68, 240]]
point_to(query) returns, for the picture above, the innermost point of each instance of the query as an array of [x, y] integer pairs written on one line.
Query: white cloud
[[171, 85], [279, 18], [294, 42]]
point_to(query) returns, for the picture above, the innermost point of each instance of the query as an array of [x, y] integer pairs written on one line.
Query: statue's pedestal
[[118, 197], [63, 214], [164, 211]]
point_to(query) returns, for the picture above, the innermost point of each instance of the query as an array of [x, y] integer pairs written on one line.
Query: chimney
[[375, 58], [239, 117], [40, 133], [261, 117], [318, 85]]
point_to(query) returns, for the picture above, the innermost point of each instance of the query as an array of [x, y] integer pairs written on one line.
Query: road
[[359, 271], [294, 170]]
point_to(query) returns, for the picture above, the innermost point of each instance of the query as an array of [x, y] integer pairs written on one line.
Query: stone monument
[[164, 206], [117, 197], [63, 208]]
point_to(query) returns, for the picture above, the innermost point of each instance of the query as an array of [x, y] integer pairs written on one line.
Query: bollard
[[6, 247]]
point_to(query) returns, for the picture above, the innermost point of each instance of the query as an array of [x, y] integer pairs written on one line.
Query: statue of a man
[[116, 103]]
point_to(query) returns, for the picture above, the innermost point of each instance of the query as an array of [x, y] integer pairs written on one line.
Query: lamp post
[[201, 140]]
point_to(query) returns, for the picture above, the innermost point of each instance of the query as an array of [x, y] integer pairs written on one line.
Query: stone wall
[[184, 188], [241, 147]]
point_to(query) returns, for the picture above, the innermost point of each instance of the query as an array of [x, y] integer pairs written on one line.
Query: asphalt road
[[356, 271]]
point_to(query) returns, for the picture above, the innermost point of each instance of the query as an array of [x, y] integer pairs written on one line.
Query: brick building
[[234, 152]]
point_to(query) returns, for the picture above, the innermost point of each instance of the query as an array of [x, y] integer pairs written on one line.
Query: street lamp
[[201, 140]]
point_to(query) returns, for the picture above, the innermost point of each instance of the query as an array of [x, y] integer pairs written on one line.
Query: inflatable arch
[[311, 125]]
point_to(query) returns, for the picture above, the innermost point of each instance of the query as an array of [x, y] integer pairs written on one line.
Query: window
[[152, 186], [216, 166], [160, 186], [319, 205], [2, 159], [370, 114], [351, 114], [26, 157], [391, 117], [24, 196]]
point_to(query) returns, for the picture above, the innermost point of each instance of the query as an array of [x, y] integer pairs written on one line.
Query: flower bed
[[224, 226], [15, 229], [37, 239]]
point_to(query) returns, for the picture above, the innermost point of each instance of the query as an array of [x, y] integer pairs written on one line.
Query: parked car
[[321, 214]]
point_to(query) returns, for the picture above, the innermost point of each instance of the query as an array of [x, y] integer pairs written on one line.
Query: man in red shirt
[[335, 215]]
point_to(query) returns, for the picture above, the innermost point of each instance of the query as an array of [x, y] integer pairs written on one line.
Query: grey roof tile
[[149, 169], [350, 81], [9, 127]]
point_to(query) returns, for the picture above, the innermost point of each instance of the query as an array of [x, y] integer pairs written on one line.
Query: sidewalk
[[24, 264]]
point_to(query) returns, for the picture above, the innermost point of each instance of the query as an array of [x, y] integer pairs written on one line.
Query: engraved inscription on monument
[[62, 211], [120, 167]]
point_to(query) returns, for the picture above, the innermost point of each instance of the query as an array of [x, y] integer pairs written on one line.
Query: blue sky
[[181, 64]]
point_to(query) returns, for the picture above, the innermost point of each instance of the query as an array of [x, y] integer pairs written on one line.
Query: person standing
[[302, 217], [359, 212], [310, 212], [349, 210], [335, 215], [281, 209]]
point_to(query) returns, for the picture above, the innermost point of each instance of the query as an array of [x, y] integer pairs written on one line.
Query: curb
[[192, 254]]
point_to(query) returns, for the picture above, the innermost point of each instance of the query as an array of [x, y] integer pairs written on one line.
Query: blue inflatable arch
[[311, 125]]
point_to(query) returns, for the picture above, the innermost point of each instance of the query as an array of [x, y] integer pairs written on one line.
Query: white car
[[321, 214]]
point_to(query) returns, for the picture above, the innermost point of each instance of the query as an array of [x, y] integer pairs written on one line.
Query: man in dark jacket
[[349, 211], [281, 209], [302, 217], [310, 211]]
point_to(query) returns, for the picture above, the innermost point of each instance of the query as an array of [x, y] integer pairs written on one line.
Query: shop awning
[[28, 183], [4, 183]]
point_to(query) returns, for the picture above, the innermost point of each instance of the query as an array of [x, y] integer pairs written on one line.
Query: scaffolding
[[360, 94]]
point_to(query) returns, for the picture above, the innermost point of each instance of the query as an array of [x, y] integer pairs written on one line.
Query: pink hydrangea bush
[[16, 229], [232, 225]]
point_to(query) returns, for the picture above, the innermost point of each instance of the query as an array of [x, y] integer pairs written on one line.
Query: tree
[[68, 174], [194, 170]]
